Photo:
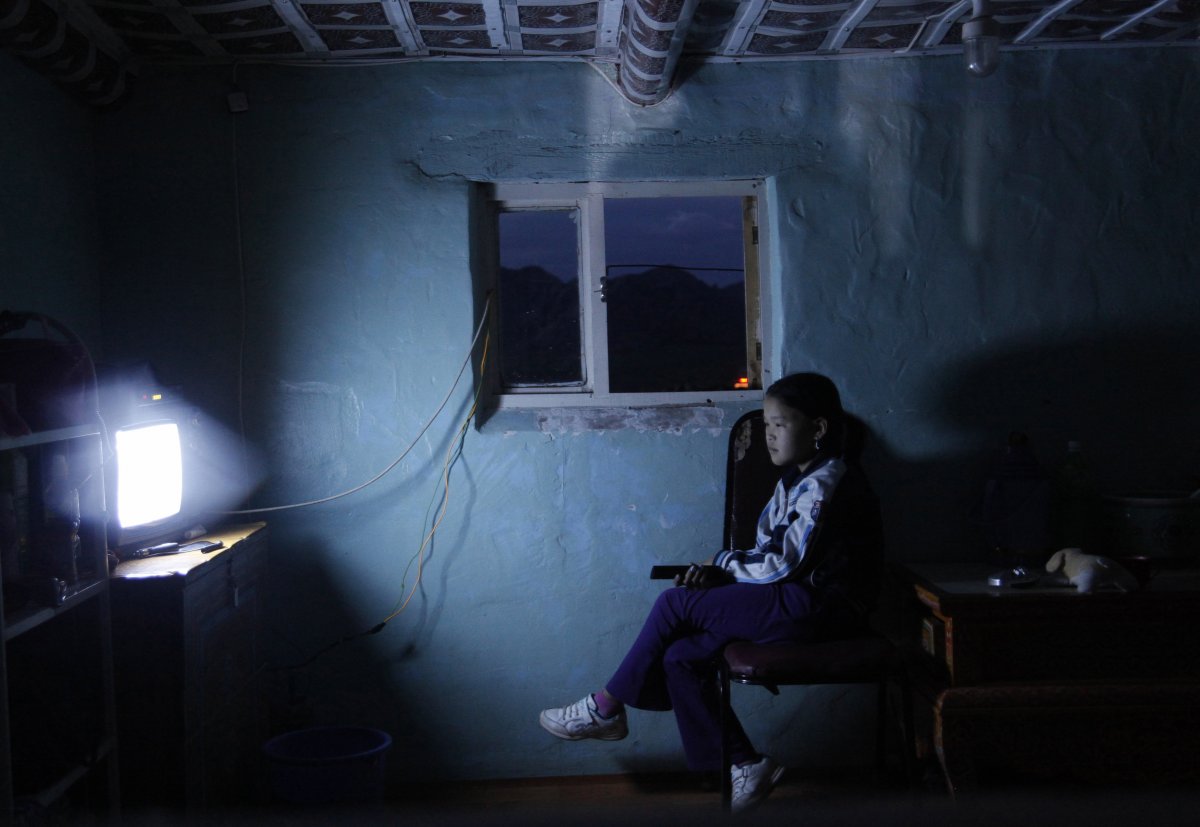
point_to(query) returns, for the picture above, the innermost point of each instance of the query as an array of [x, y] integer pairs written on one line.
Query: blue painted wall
[[964, 257], [49, 238]]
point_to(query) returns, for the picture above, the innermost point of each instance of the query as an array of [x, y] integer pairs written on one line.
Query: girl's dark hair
[[814, 395]]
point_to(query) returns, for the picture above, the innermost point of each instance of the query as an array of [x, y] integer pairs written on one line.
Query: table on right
[[1044, 681]]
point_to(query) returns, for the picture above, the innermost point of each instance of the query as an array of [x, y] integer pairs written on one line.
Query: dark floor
[[631, 799], [801, 799], [621, 800], [810, 799]]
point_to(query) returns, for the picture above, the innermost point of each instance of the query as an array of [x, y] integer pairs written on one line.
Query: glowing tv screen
[[149, 461]]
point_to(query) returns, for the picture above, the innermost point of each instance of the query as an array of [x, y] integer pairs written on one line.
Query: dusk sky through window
[[699, 232]]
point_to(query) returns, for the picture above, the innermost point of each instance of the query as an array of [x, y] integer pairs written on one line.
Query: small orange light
[[742, 384]]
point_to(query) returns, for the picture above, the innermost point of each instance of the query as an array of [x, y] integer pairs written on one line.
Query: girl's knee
[[687, 656], [669, 604]]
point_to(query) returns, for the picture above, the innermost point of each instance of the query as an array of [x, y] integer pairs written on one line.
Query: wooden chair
[[867, 657]]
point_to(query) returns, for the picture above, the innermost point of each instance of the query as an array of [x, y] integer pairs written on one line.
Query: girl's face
[[791, 436]]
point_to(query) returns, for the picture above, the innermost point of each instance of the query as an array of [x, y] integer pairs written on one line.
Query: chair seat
[[866, 658]]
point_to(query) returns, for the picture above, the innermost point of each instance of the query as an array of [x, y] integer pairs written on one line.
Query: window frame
[[588, 198]]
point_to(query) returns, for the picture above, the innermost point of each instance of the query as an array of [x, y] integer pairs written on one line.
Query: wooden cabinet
[[1046, 681], [189, 673], [58, 743], [979, 634]]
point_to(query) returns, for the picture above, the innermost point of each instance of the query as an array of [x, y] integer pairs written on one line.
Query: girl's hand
[[702, 577]]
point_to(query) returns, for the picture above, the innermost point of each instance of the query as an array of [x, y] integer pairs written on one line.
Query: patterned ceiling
[[92, 46]]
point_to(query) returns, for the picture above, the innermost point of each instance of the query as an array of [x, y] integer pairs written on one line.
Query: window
[[627, 294]]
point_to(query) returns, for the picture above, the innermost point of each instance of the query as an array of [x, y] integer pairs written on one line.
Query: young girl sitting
[[812, 575]]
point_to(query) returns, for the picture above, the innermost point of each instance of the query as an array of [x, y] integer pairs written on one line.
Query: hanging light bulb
[[981, 41]]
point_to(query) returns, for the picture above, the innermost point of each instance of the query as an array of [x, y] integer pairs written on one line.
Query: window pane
[[540, 342], [676, 294]]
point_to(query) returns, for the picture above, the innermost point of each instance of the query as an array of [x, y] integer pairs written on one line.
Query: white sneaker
[[753, 783], [582, 720]]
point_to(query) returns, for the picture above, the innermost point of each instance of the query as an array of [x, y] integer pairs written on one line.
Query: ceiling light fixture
[[981, 41]]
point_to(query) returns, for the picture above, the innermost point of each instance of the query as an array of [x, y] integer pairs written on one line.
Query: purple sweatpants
[[672, 664]]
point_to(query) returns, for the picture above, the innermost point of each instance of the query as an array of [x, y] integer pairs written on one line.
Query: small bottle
[[1016, 506], [1074, 510]]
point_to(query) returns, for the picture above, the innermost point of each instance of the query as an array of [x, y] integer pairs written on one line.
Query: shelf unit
[[58, 741]]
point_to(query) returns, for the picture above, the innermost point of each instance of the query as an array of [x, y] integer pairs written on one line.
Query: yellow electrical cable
[[450, 453], [454, 448]]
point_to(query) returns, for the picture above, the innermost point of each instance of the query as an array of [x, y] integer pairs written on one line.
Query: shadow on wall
[[310, 632], [334, 663], [325, 668], [1130, 396]]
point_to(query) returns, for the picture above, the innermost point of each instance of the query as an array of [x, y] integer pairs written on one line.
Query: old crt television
[[151, 467], [148, 460], [171, 471]]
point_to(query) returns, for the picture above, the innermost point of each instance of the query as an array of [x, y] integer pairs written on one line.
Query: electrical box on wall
[[238, 102]]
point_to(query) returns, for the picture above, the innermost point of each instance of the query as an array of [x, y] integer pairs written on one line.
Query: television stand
[[188, 661]]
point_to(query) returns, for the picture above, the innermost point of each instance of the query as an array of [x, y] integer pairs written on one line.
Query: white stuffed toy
[[1089, 572]]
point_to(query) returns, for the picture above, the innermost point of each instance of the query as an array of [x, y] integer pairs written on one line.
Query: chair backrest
[[750, 479]]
